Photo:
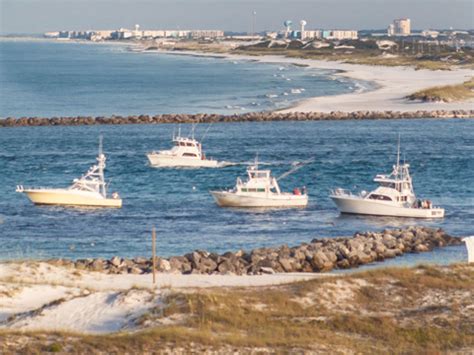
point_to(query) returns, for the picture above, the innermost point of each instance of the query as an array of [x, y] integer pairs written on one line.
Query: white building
[[430, 33], [311, 34], [340, 34], [400, 27], [207, 34]]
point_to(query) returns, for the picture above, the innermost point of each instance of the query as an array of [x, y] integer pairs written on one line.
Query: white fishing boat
[[187, 152], [394, 197], [261, 190], [88, 191]]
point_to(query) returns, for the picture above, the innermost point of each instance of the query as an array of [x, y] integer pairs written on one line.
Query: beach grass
[[448, 93], [366, 57], [396, 310], [362, 52]]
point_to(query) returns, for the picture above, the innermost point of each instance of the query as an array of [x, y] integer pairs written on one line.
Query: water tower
[[287, 24], [302, 24]]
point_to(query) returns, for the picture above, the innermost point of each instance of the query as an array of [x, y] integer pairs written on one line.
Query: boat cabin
[[259, 181], [187, 147], [93, 180], [396, 187]]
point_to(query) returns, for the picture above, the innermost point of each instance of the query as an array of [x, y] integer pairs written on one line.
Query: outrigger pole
[[398, 151], [205, 133], [296, 168], [102, 188]]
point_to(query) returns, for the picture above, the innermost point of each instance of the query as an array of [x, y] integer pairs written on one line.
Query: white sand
[[94, 302], [392, 84]]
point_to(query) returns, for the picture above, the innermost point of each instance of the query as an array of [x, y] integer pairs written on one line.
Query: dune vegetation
[[448, 93], [395, 310]]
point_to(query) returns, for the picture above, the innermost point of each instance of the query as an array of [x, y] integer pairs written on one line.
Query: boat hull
[[70, 198], [160, 160], [229, 199], [354, 205]]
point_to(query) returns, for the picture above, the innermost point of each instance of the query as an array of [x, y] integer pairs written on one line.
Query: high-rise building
[[400, 27]]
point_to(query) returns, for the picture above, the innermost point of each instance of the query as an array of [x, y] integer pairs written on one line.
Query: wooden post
[[153, 242]]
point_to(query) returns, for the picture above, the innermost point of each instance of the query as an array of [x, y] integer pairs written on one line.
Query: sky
[[38, 16]]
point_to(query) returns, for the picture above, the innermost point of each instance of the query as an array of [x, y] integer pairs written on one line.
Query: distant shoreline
[[392, 86]]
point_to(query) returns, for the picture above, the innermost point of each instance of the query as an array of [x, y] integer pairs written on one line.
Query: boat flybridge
[[88, 191], [394, 197], [187, 152], [261, 190]]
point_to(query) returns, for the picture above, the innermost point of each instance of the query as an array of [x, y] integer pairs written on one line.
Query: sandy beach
[[44, 308], [94, 302], [392, 85]]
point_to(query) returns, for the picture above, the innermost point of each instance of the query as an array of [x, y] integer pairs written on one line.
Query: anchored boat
[[394, 197], [88, 191], [261, 190], [187, 152]]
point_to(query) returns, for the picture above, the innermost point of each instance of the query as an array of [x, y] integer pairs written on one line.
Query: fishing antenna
[[296, 168], [207, 130], [398, 151], [100, 144]]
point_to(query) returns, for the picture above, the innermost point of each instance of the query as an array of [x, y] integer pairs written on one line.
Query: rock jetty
[[317, 256], [246, 117]]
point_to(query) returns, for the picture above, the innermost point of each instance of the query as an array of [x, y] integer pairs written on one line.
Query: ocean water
[[51, 78], [346, 154]]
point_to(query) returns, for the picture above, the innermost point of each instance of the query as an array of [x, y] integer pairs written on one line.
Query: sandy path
[[39, 296]]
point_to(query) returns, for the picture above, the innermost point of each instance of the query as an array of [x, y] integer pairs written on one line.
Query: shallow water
[[48, 78], [347, 154]]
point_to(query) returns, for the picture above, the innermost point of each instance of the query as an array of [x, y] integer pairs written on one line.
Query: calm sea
[[48, 78], [176, 201], [40, 78]]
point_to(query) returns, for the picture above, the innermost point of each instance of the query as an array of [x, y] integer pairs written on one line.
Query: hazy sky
[[36, 16]]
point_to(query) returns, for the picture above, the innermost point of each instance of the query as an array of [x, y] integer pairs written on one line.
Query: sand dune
[[39, 296]]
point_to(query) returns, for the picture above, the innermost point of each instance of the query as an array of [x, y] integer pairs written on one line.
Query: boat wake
[[223, 164]]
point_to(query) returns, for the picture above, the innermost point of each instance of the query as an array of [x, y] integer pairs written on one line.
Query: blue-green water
[[347, 154], [47, 78]]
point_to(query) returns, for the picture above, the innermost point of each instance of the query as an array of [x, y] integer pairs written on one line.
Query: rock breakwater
[[246, 117], [317, 256]]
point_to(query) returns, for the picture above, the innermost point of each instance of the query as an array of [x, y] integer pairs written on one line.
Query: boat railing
[[21, 188]]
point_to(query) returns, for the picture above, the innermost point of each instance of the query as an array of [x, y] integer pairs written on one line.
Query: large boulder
[[320, 262]]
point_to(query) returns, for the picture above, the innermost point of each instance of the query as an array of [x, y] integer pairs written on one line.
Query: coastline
[[98, 296], [391, 85]]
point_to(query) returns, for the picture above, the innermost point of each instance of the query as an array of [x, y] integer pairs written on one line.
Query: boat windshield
[[245, 189], [380, 197], [388, 184], [258, 175]]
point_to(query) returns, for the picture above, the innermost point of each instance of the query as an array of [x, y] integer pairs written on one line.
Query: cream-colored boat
[[260, 190], [88, 191], [394, 197], [187, 152]]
